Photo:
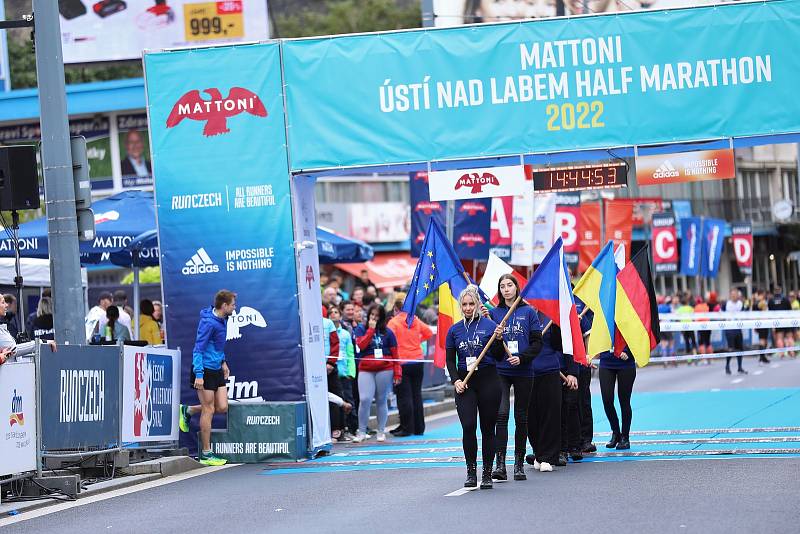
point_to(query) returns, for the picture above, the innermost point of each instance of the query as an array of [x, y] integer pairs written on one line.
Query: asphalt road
[[403, 485]]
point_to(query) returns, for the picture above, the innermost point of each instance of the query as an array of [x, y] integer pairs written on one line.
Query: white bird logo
[[246, 316]]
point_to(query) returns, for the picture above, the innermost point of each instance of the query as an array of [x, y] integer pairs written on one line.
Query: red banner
[[590, 234], [697, 166], [742, 236], [619, 224], [501, 221], [665, 243], [567, 224]]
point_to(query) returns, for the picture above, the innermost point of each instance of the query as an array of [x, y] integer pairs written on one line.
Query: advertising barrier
[[262, 432], [150, 394], [665, 243], [18, 418], [79, 396]]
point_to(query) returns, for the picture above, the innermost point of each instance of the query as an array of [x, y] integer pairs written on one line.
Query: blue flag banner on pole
[[713, 238], [471, 228], [437, 264], [422, 210], [691, 245]]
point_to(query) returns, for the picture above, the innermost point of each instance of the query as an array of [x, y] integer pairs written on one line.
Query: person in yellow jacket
[[148, 327]]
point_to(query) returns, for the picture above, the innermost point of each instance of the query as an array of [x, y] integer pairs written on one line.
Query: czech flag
[[636, 312], [549, 290], [597, 288]]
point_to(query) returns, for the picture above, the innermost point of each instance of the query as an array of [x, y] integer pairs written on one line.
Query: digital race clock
[[580, 177]]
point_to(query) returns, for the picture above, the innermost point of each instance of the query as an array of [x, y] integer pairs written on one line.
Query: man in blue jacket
[[210, 372]]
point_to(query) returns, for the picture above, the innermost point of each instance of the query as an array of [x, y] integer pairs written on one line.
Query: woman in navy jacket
[[622, 373], [481, 395], [522, 335]]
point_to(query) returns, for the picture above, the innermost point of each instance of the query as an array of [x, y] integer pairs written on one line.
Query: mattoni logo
[[105, 217], [476, 182], [200, 263], [420, 237], [217, 110], [472, 208], [421, 176], [246, 316], [666, 170], [471, 240], [428, 207], [17, 414]]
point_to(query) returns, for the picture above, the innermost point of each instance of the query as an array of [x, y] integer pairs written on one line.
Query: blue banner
[[691, 245], [224, 211], [471, 228], [544, 86], [422, 209], [713, 238]]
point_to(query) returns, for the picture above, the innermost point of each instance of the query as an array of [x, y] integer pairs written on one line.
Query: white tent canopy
[[35, 272]]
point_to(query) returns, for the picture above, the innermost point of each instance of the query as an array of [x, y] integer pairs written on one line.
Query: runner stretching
[[210, 372]]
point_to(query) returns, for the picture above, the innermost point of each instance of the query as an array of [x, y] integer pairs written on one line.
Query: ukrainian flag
[[597, 288]]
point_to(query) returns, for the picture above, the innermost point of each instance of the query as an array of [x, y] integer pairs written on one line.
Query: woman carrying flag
[[466, 340], [619, 372], [523, 337]]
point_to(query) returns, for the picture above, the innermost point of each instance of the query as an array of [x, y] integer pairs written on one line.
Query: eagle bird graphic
[[216, 119]]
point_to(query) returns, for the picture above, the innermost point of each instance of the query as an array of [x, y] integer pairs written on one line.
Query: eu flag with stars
[[437, 264]]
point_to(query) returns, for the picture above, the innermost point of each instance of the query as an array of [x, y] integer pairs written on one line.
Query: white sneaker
[[360, 436], [544, 467], [536, 465], [381, 436]]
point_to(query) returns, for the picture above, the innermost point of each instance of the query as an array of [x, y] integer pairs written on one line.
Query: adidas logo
[[200, 263], [666, 170]]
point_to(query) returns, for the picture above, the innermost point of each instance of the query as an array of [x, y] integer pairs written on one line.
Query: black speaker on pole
[[19, 178]]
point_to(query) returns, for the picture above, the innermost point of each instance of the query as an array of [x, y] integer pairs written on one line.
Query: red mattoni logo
[[472, 208], [100, 218], [423, 176], [428, 207], [471, 240], [217, 110], [476, 182], [420, 237]]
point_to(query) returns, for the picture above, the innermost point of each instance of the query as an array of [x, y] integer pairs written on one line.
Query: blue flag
[[713, 236], [437, 264], [691, 241]]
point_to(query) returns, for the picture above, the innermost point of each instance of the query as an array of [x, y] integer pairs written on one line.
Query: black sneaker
[[589, 448], [530, 459], [562, 459]]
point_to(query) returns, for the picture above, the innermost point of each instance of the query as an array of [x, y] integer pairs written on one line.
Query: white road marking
[[714, 390], [460, 491], [737, 380], [774, 365], [24, 516], [759, 372]]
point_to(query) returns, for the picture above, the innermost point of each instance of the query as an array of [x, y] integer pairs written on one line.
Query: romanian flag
[[597, 288], [437, 264], [636, 311], [449, 314], [550, 291]]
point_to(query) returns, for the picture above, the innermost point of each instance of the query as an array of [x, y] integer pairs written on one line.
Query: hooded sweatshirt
[[209, 347]]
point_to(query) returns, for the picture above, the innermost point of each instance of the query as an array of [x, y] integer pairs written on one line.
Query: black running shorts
[[213, 379]]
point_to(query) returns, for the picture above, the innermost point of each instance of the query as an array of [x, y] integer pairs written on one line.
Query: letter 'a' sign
[[478, 183], [665, 243]]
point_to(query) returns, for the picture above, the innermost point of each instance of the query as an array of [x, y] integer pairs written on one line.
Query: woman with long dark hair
[[376, 375], [522, 335], [480, 397]]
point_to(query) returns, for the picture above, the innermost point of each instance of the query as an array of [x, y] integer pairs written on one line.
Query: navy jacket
[[525, 328], [465, 340], [549, 359], [609, 361]]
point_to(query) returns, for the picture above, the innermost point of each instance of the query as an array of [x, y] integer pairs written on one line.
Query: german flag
[[636, 311]]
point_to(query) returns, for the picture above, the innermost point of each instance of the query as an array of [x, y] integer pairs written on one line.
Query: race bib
[[378, 354], [513, 346], [471, 361]]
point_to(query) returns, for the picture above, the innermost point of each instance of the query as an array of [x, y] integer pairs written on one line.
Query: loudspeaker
[[19, 178]]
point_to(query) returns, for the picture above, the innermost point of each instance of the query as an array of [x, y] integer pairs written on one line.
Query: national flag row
[[621, 297]]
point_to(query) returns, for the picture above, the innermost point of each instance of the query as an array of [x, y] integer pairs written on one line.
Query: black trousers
[[481, 399], [351, 419], [735, 343], [623, 378], [570, 420], [409, 399], [337, 414], [522, 396], [585, 405], [544, 417]]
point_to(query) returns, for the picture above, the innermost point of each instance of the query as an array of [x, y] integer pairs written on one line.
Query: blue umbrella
[[118, 220], [333, 248]]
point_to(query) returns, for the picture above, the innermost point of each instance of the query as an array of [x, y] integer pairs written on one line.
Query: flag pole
[[549, 324], [505, 347], [491, 340]]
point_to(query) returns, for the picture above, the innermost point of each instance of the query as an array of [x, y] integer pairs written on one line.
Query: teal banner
[[544, 86], [262, 432]]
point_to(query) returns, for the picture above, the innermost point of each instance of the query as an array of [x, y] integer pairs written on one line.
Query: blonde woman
[[480, 398]]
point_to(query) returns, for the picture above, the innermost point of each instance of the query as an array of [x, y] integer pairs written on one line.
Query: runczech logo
[[472, 208], [471, 179], [217, 110]]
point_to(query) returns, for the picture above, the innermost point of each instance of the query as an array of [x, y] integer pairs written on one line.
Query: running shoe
[[381, 436], [184, 418], [360, 436], [545, 467], [211, 460]]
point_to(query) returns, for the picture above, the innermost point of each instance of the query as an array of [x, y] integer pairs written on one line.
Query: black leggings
[[624, 379], [522, 396], [482, 398], [585, 405], [570, 420], [544, 421]]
